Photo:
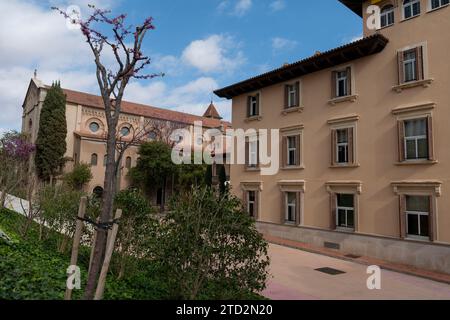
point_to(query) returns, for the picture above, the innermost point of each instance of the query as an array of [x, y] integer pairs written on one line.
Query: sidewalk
[[368, 261]]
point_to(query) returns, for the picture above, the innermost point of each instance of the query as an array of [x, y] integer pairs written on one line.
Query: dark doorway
[[98, 192]]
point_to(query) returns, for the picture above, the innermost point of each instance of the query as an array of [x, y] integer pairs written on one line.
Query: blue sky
[[201, 45]]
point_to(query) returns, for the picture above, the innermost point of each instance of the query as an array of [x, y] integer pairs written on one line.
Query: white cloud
[[277, 5], [279, 44], [192, 97], [34, 37], [211, 54], [235, 7]]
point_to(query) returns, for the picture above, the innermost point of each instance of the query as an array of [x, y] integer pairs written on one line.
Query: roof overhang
[[355, 50], [354, 5]]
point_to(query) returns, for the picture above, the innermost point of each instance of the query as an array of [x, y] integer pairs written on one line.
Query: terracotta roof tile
[[90, 100]]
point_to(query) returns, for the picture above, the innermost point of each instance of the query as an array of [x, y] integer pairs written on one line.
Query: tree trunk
[[106, 214], [3, 198], [163, 195], [122, 266], [64, 243]]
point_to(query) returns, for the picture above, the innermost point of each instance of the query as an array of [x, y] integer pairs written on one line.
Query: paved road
[[294, 278]]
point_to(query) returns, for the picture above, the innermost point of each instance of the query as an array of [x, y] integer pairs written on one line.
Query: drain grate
[[330, 271], [352, 256]]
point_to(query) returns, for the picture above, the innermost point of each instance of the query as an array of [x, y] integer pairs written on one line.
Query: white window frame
[[419, 214], [253, 153], [341, 79], [415, 139], [253, 106], [253, 202], [386, 14], [430, 6], [291, 149], [292, 96], [341, 144], [414, 64], [290, 205], [346, 209], [410, 6]]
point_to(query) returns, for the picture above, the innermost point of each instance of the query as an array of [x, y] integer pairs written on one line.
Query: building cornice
[[321, 61]]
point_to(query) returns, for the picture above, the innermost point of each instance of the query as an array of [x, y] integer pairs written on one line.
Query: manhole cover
[[330, 271], [352, 256]]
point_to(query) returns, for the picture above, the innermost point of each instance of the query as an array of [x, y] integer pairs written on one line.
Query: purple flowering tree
[[105, 33], [15, 152]]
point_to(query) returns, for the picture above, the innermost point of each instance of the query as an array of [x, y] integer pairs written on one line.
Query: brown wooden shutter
[[298, 207], [333, 84], [402, 216], [257, 104], [244, 201], [297, 94], [351, 151], [284, 152], [257, 154], [257, 204], [283, 208], [430, 138], [401, 141], [431, 219], [247, 153], [419, 63], [349, 81], [401, 77], [286, 96], [297, 150], [333, 211], [249, 102], [333, 146]]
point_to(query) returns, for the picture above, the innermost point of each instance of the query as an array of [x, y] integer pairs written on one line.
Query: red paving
[[410, 270]]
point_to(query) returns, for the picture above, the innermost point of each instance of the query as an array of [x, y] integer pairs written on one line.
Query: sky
[[200, 45]]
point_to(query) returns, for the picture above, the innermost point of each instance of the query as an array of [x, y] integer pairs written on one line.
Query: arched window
[[94, 159], [128, 162], [387, 16], [125, 131], [411, 8], [105, 160], [94, 127], [98, 192], [152, 135]]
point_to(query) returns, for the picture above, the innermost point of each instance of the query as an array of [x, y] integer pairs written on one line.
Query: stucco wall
[[421, 255], [376, 137]]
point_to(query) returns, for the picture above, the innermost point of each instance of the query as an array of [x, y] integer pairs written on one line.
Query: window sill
[[351, 98], [385, 27], [416, 162], [255, 118], [287, 111], [293, 168], [438, 8], [410, 18], [424, 83], [344, 229], [355, 165], [290, 224], [417, 238]]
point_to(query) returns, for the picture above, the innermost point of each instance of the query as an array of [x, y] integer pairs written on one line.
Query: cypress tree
[[51, 140]]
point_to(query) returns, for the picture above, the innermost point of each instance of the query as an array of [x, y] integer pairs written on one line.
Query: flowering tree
[[15, 152], [102, 31]]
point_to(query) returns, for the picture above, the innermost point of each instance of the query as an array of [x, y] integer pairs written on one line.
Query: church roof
[[212, 112]]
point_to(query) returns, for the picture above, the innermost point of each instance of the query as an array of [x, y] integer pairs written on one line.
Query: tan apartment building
[[86, 131], [365, 157]]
